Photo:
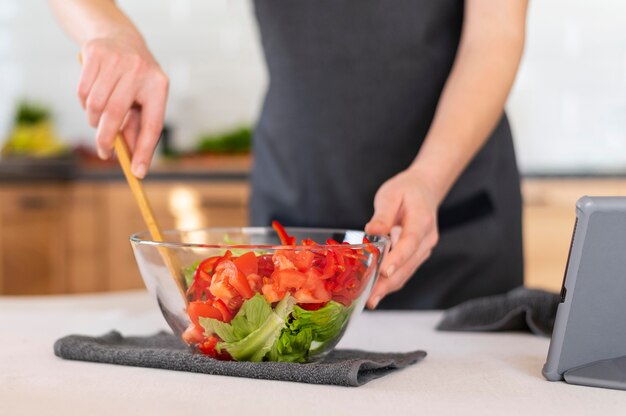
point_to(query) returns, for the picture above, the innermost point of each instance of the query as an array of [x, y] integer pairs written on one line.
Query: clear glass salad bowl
[[260, 293]]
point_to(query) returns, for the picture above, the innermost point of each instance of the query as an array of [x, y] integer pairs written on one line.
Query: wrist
[[429, 178], [114, 32]]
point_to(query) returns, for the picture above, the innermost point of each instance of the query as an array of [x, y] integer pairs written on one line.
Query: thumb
[[385, 213]]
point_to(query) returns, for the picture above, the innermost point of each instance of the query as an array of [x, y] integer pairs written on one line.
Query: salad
[[286, 306]]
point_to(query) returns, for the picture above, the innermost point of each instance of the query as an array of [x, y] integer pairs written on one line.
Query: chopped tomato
[[289, 279], [221, 287], [193, 334], [202, 309], [255, 281], [313, 291], [209, 347], [247, 263], [312, 306], [303, 260], [304, 296], [313, 274], [282, 260], [271, 291], [318, 289], [227, 271], [234, 304], [266, 265]]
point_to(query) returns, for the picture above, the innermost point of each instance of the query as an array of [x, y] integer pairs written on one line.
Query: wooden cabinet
[[176, 205], [549, 216], [32, 239], [87, 238], [73, 237]]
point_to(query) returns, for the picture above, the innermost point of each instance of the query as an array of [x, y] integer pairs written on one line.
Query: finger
[[385, 286], [100, 92], [394, 234], [416, 227], [130, 127], [380, 289], [386, 208], [401, 252], [88, 75], [152, 114], [112, 117]]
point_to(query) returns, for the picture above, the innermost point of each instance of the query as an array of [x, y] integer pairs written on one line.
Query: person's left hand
[[406, 208]]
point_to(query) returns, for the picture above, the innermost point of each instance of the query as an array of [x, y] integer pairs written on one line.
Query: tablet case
[[588, 345]]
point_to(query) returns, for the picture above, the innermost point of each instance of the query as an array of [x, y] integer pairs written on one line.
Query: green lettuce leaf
[[292, 346], [254, 330], [221, 329], [257, 344], [251, 316], [189, 272], [326, 322], [309, 331]]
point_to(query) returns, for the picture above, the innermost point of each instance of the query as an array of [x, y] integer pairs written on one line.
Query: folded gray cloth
[[165, 351], [520, 309]]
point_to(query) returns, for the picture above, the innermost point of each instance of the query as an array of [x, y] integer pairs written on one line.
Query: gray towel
[[165, 351], [520, 309]]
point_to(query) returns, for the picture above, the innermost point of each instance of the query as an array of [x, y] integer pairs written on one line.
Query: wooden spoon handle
[[136, 186]]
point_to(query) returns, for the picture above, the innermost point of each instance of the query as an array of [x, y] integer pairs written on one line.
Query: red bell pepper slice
[[227, 315], [240, 283], [285, 238]]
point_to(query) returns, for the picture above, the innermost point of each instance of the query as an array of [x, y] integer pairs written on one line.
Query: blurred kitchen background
[[65, 216]]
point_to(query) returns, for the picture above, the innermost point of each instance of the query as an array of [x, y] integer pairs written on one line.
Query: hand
[[122, 88], [406, 208]]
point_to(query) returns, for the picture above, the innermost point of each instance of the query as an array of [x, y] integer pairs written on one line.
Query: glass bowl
[[242, 294]]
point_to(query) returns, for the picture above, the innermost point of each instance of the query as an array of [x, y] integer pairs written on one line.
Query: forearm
[[85, 20], [473, 98]]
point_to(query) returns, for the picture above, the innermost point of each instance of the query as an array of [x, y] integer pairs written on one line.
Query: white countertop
[[464, 373]]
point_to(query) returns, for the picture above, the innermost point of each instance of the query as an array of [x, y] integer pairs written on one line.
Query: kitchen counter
[[197, 168], [464, 373]]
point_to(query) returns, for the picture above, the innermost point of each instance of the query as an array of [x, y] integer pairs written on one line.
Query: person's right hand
[[122, 88]]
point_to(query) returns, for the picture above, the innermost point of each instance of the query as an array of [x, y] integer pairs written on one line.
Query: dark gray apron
[[353, 89]]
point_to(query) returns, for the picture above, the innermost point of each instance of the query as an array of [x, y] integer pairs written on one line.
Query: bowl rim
[[139, 238]]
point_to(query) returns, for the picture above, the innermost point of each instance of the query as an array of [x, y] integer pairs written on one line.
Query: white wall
[[568, 106], [209, 48]]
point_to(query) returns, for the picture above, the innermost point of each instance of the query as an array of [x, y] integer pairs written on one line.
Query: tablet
[[589, 335]]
